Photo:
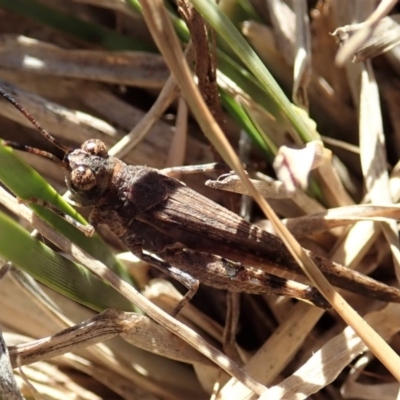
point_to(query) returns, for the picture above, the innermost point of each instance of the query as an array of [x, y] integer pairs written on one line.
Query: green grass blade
[[242, 118], [224, 27], [25, 182], [55, 271]]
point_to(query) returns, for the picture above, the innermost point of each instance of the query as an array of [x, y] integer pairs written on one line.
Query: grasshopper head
[[89, 172]]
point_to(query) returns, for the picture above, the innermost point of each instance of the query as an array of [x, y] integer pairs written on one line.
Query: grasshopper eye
[[95, 147], [83, 178]]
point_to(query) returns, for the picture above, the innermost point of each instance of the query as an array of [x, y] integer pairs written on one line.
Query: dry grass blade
[[302, 61], [283, 22], [352, 389], [335, 217], [177, 152], [125, 68], [57, 118], [365, 32], [133, 138], [373, 162], [277, 351], [141, 129], [385, 37], [135, 329], [336, 354]]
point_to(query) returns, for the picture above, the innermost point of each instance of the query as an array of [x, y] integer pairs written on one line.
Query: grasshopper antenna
[[43, 132]]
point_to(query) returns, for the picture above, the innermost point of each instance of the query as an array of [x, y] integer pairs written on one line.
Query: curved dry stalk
[[167, 41], [137, 330]]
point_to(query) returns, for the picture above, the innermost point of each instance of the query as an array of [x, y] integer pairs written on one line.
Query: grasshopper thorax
[[89, 171]]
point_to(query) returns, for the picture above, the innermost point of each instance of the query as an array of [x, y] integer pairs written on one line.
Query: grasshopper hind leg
[[182, 277]]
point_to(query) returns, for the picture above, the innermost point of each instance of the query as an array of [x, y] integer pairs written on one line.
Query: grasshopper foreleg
[[88, 230]]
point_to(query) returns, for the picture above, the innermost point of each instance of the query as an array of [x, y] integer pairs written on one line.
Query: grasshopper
[[174, 228]]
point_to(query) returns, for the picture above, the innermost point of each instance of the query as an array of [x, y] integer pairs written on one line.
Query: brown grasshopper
[[154, 214]]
